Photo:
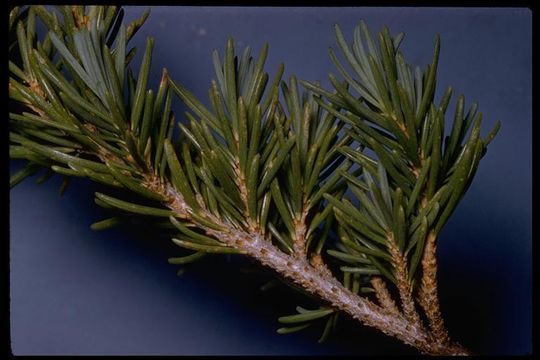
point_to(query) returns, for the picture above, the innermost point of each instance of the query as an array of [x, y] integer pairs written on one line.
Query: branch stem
[[317, 281], [429, 299]]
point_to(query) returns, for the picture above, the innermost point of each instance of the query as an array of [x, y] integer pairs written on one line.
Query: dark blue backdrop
[[74, 291]]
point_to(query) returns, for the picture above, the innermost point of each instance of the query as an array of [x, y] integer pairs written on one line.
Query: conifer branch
[[256, 175]]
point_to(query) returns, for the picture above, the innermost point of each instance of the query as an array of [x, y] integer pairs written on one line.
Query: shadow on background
[[229, 286]]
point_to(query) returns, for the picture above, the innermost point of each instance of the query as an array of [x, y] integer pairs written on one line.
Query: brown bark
[[428, 296], [383, 296]]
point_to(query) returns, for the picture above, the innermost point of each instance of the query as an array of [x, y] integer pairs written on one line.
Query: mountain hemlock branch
[[271, 170]]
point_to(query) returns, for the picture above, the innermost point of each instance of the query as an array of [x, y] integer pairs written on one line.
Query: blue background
[[75, 291]]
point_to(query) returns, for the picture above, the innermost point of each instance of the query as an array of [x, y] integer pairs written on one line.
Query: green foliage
[[419, 174], [266, 158], [255, 162]]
